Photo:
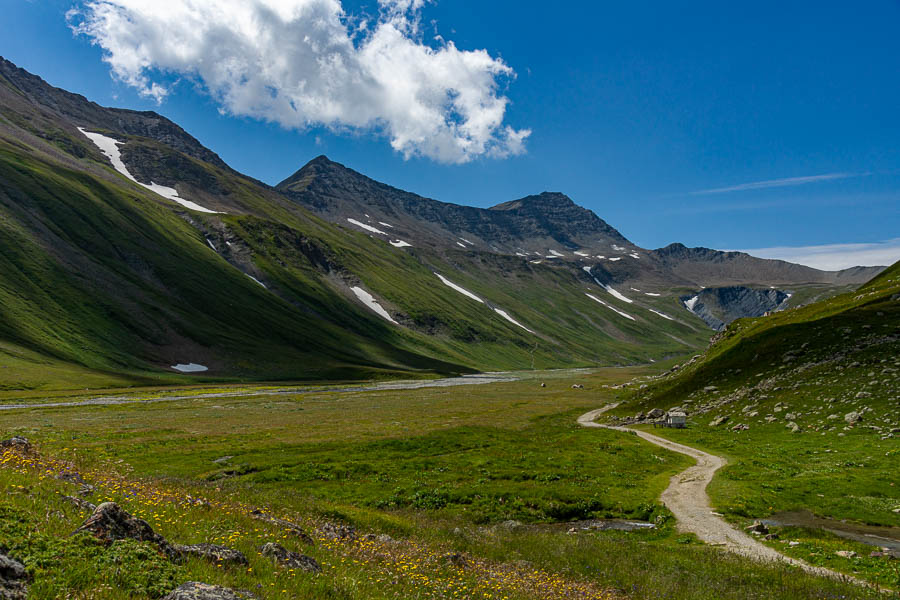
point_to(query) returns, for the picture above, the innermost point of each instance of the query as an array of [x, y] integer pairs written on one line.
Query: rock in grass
[[287, 526], [456, 559], [846, 553], [290, 560], [718, 421], [17, 443], [758, 527], [213, 553], [339, 532], [853, 417], [13, 579], [109, 522], [655, 413], [80, 503], [194, 590]]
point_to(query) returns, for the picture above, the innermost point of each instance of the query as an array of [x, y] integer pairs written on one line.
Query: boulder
[[13, 579], [194, 590], [718, 421], [290, 560], [213, 553], [109, 522], [656, 413], [17, 443], [846, 553], [793, 427], [853, 417]]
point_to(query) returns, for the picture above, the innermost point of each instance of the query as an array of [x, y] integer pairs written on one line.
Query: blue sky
[[718, 124]]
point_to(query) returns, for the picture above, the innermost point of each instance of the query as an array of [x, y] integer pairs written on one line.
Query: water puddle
[[882, 537]]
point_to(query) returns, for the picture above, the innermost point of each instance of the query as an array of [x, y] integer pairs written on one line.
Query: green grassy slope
[[811, 403]]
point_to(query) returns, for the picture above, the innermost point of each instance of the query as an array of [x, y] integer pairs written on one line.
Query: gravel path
[[687, 499]]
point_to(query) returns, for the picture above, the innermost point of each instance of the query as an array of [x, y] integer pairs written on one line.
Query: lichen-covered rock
[[213, 553], [338, 532], [109, 522], [290, 560], [194, 590], [13, 579]]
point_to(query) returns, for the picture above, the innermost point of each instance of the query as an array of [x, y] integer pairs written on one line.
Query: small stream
[[881, 537]]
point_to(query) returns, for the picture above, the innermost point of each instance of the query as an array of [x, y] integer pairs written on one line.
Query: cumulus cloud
[[833, 257], [303, 63]]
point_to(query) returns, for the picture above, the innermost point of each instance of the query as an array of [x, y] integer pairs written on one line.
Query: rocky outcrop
[[109, 522], [13, 579], [290, 560], [720, 306], [213, 553], [194, 590]]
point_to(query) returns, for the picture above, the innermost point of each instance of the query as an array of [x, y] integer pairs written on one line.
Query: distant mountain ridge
[[127, 247]]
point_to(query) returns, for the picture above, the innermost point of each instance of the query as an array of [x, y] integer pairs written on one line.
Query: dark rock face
[[109, 523], [338, 193], [720, 306], [213, 553], [194, 590], [13, 579], [290, 560], [89, 114]]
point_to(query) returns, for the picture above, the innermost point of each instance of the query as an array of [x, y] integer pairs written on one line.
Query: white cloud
[[775, 183], [833, 257], [302, 63]]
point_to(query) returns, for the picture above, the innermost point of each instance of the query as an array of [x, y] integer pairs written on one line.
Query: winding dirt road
[[687, 499]]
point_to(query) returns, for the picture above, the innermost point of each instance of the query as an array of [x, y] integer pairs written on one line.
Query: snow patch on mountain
[[256, 280], [458, 288], [614, 293], [366, 227], [663, 315], [609, 306], [110, 148], [461, 245], [385, 224], [506, 316], [400, 244], [372, 304], [190, 368]]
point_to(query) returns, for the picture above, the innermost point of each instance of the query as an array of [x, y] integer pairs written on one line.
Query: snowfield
[[190, 368], [609, 306], [460, 244], [372, 304], [651, 294], [110, 148], [366, 227], [459, 289], [385, 224], [506, 316], [401, 244]]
